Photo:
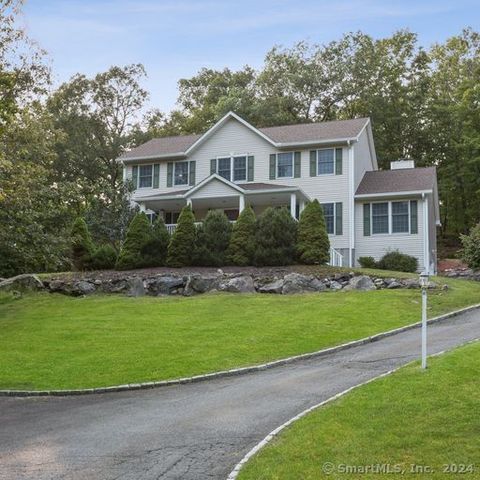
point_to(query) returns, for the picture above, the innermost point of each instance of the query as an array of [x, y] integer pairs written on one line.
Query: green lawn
[[424, 418], [50, 341]]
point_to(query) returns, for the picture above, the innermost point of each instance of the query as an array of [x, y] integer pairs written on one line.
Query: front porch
[[217, 193]]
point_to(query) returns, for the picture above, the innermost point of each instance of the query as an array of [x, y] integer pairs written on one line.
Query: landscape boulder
[[201, 284], [164, 284], [361, 282], [237, 284], [82, 287], [273, 287], [298, 283], [136, 287], [22, 282]]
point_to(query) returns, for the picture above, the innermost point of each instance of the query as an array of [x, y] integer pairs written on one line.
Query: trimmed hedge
[[242, 243], [212, 240], [276, 235], [367, 262], [155, 250], [104, 258], [182, 242], [138, 235], [313, 245], [399, 262]]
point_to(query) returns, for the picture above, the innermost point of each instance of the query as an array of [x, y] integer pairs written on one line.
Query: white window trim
[[293, 165], [138, 175], [232, 163], [390, 219], [174, 183], [334, 234], [316, 159]]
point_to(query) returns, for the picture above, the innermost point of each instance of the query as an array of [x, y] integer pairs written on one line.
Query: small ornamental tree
[[217, 230], [138, 235], [471, 247], [242, 243], [155, 250], [82, 247], [182, 242], [275, 237], [313, 246]]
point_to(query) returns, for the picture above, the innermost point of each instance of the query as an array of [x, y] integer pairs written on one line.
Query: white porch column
[[293, 204], [142, 207], [241, 203], [302, 205], [189, 201]]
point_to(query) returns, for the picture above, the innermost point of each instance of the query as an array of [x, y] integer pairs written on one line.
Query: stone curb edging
[[234, 473], [232, 372]]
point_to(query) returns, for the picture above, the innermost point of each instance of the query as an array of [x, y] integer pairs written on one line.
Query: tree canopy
[[58, 146]]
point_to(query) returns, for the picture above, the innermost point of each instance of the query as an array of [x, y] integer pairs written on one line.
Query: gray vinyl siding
[[377, 245], [363, 158], [215, 188]]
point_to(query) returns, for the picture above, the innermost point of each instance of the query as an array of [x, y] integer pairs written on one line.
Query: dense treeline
[[58, 146]]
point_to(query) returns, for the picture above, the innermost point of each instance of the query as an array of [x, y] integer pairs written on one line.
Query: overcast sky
[[175, 38]]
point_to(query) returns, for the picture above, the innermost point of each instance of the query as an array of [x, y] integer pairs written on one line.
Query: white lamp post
[[424, 286]]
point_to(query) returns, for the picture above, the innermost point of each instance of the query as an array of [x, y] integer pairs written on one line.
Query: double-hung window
[[181, 173], [232, 168], [239, 168], [224, 167], [380, 217], [285, 165], [325, 161], [329, 214], [145, 176], [390, 217], [400, 223]]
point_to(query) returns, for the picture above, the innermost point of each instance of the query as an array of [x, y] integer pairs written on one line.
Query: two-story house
[[367, 211]]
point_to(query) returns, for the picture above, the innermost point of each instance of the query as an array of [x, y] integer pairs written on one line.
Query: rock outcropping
[[198, 283]]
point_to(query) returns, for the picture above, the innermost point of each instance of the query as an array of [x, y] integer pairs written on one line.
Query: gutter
[[393, 194]]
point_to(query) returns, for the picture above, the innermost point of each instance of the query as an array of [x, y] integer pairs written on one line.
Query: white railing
[[171, 227], [336, 258]]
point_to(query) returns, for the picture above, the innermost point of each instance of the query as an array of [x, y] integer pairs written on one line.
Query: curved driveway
[[196, 431]]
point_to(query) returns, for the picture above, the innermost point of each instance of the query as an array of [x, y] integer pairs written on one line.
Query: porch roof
[[244, 188]]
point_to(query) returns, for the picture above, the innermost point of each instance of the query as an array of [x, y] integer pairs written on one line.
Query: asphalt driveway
[[197, 431]]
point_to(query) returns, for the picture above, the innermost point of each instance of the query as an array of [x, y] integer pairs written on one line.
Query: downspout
[[426, 229], [351, 179]]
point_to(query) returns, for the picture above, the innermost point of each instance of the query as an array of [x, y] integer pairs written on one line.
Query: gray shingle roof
[[162, 146], [312, 132], [261, 186], [401, 180], [286, 134]]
